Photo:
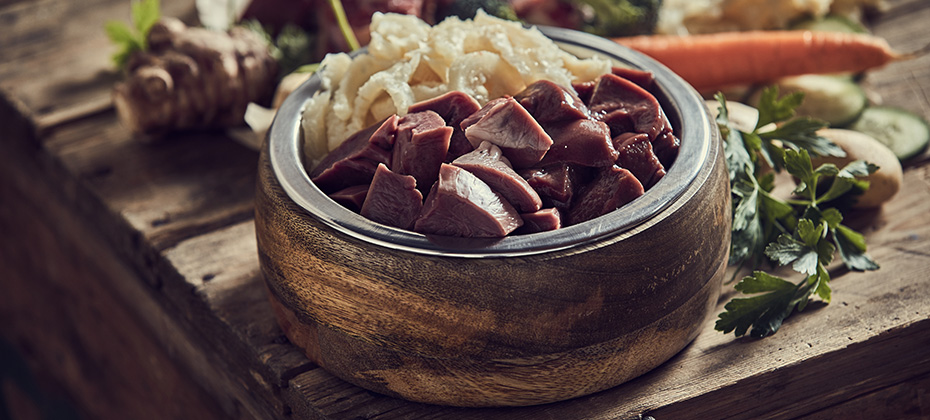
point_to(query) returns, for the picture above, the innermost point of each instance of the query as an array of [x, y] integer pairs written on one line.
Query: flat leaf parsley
[[804, 232], [145, 14]]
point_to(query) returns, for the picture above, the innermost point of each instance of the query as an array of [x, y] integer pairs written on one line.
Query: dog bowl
[[520, 320]]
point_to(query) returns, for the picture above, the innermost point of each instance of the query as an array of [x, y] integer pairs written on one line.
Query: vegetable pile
[[824, 133], [805, 231]]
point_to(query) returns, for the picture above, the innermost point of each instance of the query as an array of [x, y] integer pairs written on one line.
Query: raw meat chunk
[[582, 141], [453, 107], [392, 199], [637, 156], [355, 160], [505, 123], [612, 188], [548, 102], [421, 145], [460, 204], [541, 221]]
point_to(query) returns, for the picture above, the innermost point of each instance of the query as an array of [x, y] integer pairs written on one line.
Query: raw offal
[[460, 204], [537, 161]]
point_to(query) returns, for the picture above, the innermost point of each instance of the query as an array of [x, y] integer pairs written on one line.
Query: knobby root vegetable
[[193, 78], [713, 61]]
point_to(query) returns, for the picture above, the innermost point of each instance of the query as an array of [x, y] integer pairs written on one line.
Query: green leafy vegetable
[[467, 9], [129, 40], [613, 18], [801, 232], [291, 48]]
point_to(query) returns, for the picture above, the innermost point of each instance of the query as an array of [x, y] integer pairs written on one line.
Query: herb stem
[[344, 26]]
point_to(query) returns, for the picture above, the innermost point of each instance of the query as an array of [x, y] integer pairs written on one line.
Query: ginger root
[[193, 78]]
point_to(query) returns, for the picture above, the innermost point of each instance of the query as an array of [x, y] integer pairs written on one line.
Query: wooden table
[[129, 279]]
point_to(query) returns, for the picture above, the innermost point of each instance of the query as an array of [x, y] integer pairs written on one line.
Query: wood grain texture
[[497, 331], [148, 203], [65, 304], [869, 338]]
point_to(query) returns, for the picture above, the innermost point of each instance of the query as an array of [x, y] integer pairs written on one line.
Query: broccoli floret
[[466, 9], [614, 18]]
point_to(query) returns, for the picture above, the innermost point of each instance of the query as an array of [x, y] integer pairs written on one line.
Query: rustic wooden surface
[[153, 245]]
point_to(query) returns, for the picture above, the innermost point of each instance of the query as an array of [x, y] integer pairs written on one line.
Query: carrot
[[713, 61]]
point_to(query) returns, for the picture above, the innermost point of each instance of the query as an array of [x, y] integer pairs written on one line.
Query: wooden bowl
[[522, 320]]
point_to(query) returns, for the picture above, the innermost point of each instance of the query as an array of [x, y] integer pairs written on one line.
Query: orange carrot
[[717, 60]]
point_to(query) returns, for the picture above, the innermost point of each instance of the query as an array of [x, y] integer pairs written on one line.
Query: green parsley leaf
[[820, 285], [810, 233], [845, 179], [786, 250], [832, 217], [119, 32], [792, 232], [801, 133], [764, 313], [739, 162], [772, 109], [852, 247], [798, 164], [145, 14]]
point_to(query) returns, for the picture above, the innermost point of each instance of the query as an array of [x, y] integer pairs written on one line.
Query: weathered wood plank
[[165, 206], [85, 318], [228, 305], [55, 56], [908, 400], [179, 214], [166, 190], [863, 341]]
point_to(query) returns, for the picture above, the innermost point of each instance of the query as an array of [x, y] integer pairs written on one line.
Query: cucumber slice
[[831, 23], [905, 133], [836, 100]]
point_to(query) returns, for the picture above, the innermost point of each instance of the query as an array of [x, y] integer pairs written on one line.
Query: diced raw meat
[[548, 102], [584, 91], [505, 123], [489, 165], [643, 79], [460, 204], [352, 197], [612, 188], [666, 147], [541, 221], [453, 107], [421, 145], [385, 136], [355, 160], [556, 184], [637, 156], [392, 199], [640, 110], [583, 141]]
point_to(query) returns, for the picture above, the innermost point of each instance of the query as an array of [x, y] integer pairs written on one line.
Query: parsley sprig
[[804, 232], [133, 39]]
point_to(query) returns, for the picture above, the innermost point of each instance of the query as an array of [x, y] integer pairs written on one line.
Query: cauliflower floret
[[682, 17]]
